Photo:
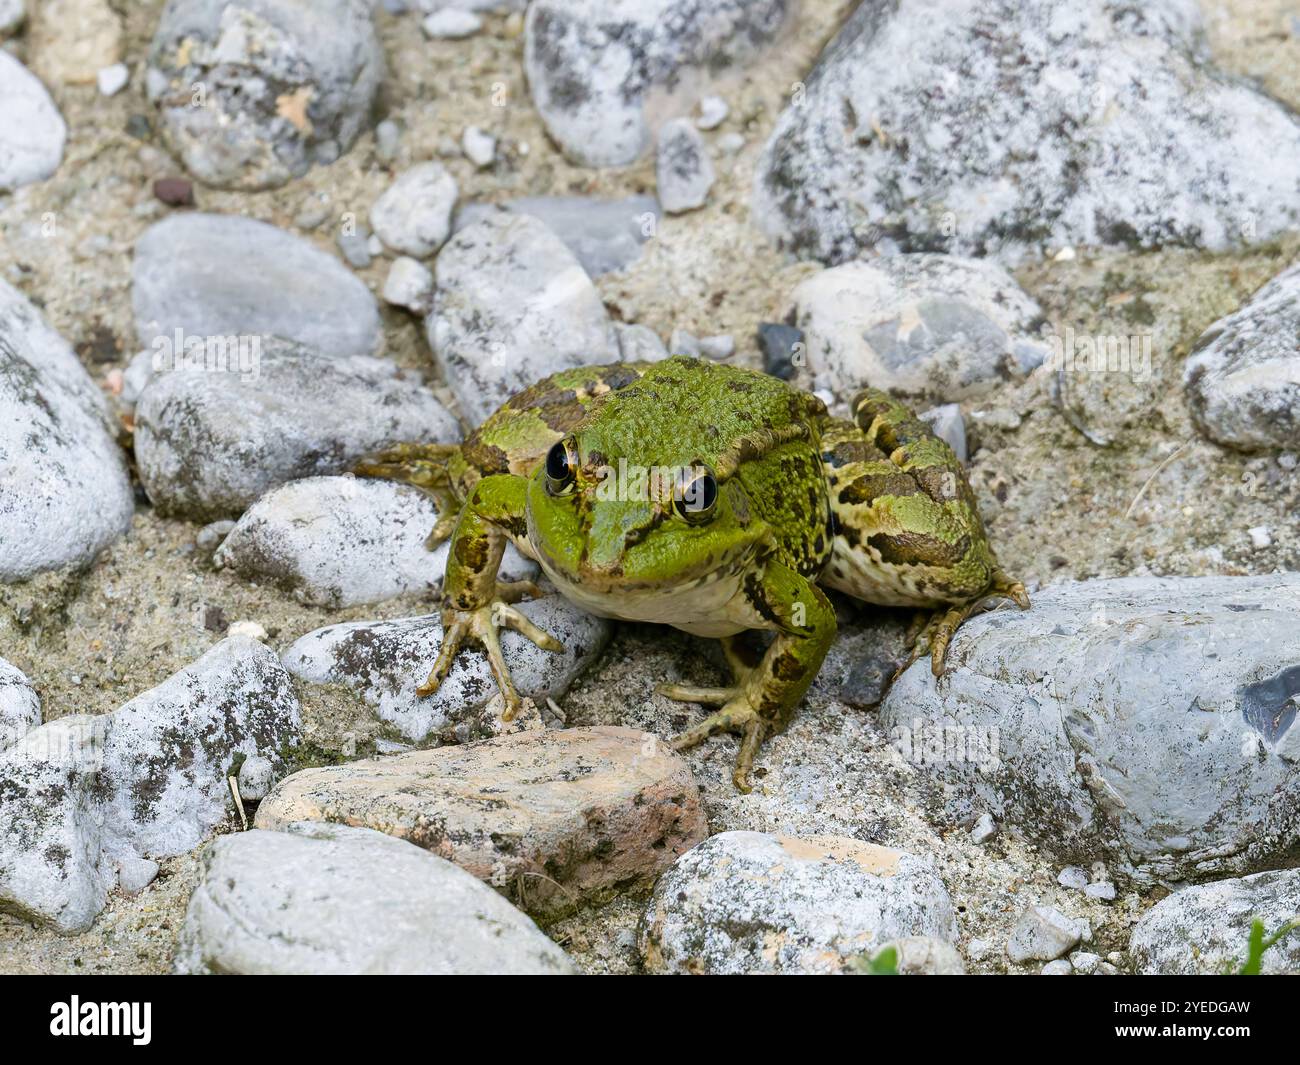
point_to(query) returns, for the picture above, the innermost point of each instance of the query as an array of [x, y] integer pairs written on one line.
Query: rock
[[783, 349], [12, 14], [63, 479], [683, 172], [382, 662], [209, 537], [388, 140], [32, 132], [924, 956], [713, 112], [1103, 891], [680, 342], [604, 235], [112, 79], [135, 874], [86, 798], [1060, 967], [948, 425], [1205, 929], [1243, 377], [286, 85], [409, 284], [208, 445], [479, 146], [869, 649], [256, 778], [174, 192], [213, 276], [1014, 129], [599, 71], [748, 902], [718, 347], [344, 541], [921, 326], [20, 707], [1043, 934], [72, 40], [512, 306], [1073, 877], [1085, 962], [1146, 721], [552, 819], [451, 24], [639, 343], [1261, 536], [985, 829], [355, 246], [339, 900], [413, 216]]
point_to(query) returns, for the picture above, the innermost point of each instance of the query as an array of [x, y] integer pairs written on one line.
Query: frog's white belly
[[713, 606]]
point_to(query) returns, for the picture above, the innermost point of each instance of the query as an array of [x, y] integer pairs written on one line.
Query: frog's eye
[[561, 466], [696, 494]]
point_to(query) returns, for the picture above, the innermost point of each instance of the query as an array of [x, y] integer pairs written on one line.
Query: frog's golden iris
[[769, 498]]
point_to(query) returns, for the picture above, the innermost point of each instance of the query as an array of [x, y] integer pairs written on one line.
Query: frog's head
[[619, 525]]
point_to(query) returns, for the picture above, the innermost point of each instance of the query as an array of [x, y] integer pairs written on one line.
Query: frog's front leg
[[763, 698], [475, 605]]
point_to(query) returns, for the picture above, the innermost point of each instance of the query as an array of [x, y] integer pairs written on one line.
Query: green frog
[[716, 499]]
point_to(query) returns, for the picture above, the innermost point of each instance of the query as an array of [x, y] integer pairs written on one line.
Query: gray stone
[[1043, 934], [948, 425], [783, 349], [409, 284], [256, 778], [1085, 962], [985, 829], [1060, 967], [113, 79], [413, 216], [603, 234], [286, 85], [212, 277], [479, 146], [1243, 377], [1145, 721], [921, 326], [748, 902], [1205, 929], [1103, 891], [680, 342], [32, 132], [451, 24], [208, 445], [601, 70], [713, 112], [925, 956], [719, 347], [66, 492], [383, 662], [344, 541], [1014, 128], [1072, 876], [134, 874], [639, 343], [683, 171], [339, 900], [20, 706], [388, 140], [512, 306]]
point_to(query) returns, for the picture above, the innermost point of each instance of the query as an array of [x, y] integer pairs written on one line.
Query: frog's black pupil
[[708, 491], [557, 463], [698, 496]]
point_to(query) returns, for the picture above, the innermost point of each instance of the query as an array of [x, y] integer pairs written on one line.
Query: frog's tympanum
[[716, 499]]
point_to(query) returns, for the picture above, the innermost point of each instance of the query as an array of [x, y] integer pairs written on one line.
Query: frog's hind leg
[[743, 660], [425, 467]]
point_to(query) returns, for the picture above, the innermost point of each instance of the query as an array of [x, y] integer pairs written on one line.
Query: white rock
[[930, 326], [639, 343], [20, 706], [1060, 967], [134, 874], [451, 23], [947, 423], [253, 630], [713, 112], [680, 342], [1042, 934], [718, 347], [256, 778], [747, 902], [1104, 891], [1084, 962], [925, 956], [1260, 536], [64, 485], [1187, 767], [1110, 127], [409, 284], [683, 171], [333, 899], [730, 143], [984, 829], [1073, 877], [383, 662], [479, 146], [344, 541], [216, 276], [208, 445], [512, 306], [32, 132], [112, 80], [1243, 377], [1205, 929], [601, 71], [413, 216]]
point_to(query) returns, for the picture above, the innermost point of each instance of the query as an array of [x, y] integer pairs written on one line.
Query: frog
[[711, 497]]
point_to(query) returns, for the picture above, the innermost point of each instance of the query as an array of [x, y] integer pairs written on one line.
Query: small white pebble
[[984, 830], [479, 146], [1084, 961], [1287, 460], [1072, 876], [683, 343], [451, 24], [730, 143], [1260, 536], [718, 347], [251, 629], [1065, 255], [1104, 891], [1060, 967], [375, 246], [112, 80], [409, 284], [713, 112]]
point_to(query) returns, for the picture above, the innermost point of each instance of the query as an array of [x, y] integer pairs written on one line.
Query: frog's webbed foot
[[736, 715], [482, 625], [937, 631], [425, 467]]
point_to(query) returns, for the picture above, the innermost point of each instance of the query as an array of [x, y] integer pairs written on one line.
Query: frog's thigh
[[805, 624]]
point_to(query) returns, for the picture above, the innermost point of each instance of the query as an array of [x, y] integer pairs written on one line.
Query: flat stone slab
[[551, 819]]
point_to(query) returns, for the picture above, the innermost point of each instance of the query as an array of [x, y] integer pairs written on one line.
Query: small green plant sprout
[[1258, 943], [882, 963]]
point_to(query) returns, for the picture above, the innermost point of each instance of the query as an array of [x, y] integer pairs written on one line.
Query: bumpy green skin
[[878, 508]]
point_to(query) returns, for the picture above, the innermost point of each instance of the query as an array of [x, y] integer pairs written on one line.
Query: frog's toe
[[511, 618], [453, 637], [1009, 588], [735, 716], [690, 693]]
